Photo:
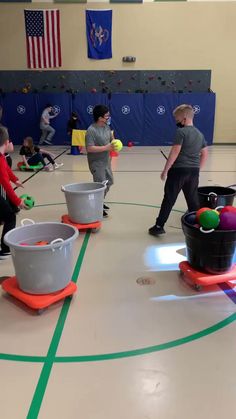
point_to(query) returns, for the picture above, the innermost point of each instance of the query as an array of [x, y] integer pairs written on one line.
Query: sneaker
[[57, 165], [156, 230], [105, 207], [48, 169], [105, 214], [47, 142], [4, 255]]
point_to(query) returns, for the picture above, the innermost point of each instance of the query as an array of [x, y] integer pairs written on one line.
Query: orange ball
[[41, 243]]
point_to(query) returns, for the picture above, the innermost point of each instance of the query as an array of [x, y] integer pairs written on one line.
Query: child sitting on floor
[[33, 155]]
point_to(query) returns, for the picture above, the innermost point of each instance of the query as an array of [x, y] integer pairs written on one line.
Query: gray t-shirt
[[45, 117], [192, 142], [98, 136]]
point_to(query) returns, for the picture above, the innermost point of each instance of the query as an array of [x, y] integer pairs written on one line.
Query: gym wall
[[161, 35]]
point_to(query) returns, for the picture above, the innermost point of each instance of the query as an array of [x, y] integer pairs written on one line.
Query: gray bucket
[[84, 201], [42, 269]]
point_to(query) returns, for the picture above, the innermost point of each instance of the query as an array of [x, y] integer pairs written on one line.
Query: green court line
[[149, 349], [22, 358], [126, 354], [114, 202], [47, 367]]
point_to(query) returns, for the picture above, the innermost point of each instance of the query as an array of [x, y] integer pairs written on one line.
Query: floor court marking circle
[[123, 354]]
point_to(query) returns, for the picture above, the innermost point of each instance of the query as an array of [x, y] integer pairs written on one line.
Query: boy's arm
[[13, 178], [4, 181], [99, 148], [174, 152], [203, 156], [90, 144]]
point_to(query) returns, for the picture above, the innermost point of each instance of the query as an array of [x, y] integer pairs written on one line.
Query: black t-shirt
[[26, 151]]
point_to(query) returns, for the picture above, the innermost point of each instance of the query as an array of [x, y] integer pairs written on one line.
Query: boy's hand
[[163, 175], [19, 184], [108, 147], [22, 205]]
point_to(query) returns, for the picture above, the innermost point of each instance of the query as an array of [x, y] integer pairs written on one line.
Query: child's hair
[[4, 136], [48, 105], [99, 111], [30, 144], [74, 115], [185, 110]]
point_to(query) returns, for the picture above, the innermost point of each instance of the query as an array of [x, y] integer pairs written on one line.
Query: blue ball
[[191, 219]]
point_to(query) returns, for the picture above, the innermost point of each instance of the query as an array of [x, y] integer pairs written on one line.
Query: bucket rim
[[45, 247], [219, 194], [102, 188]]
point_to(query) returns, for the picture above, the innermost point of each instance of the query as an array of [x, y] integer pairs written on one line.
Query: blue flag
[[99, 30]]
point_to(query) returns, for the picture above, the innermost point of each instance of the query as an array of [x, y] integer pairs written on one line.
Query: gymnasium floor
[[135, 342]]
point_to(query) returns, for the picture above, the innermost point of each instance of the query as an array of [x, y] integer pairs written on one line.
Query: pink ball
[[228, 221], [228, 208]]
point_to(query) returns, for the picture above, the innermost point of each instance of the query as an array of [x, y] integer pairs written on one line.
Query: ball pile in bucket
[[221, 219]]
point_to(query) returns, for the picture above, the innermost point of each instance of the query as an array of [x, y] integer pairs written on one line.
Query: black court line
[[37, 171], [162, 152]]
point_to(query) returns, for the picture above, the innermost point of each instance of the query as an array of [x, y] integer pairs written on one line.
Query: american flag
[[43, 38]]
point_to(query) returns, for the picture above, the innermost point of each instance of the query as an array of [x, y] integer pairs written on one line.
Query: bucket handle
[[59, 240], [212, 197], [206, 231], [219, 207], [27, 219], [232, 186]]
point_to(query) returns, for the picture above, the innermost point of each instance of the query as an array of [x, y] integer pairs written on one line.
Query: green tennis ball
[[28, 200], [209, 219], [117, 145]]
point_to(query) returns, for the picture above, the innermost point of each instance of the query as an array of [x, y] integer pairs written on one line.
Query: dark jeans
[[185, 179], [39, 158], [8, 218]]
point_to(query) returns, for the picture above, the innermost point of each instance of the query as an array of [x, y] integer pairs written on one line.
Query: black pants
[[9, 160], [185, 179], [8, 218], [39, 158]]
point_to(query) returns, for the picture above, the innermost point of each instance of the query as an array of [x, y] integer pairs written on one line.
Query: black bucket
[[215, 196], [209, 252]]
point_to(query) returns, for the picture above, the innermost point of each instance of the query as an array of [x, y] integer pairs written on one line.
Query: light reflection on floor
[[165, 257]]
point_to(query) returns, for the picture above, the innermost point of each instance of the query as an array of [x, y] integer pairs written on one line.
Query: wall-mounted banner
[[43, 38], [99, 32]]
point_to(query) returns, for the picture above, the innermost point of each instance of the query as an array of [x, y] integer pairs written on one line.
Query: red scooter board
[[36, 301], [92, 226], [199, 279]]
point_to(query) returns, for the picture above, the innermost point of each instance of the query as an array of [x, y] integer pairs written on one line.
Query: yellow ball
[[117, 145]]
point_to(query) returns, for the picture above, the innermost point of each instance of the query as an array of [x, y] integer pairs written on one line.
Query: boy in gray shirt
[[98, 144], [187, 156], [47, 131]]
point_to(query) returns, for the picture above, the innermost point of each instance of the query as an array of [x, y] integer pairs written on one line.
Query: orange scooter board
[[92, 226], [35, 301], [199, 279]]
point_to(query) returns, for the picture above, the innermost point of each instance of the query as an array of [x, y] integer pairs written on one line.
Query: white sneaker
[[58, 165], [4, 256], [48, 169]]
